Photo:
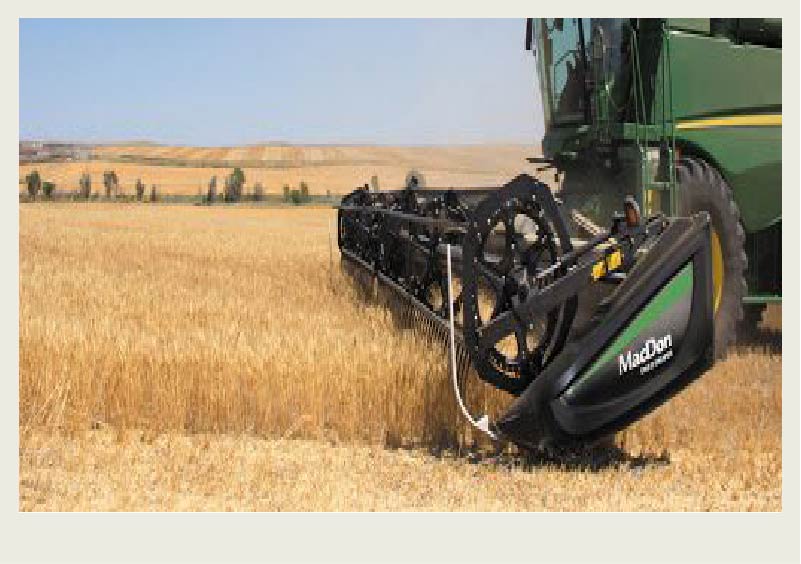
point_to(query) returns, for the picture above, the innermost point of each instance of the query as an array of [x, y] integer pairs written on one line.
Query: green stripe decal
[[678, 286]]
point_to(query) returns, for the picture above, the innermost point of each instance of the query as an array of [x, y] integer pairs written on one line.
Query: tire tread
[[696, 175]]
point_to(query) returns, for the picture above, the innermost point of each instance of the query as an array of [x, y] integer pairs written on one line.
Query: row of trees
[[298, 195], [111, 184], [35, 185], [233, 188], [234, 185], [112, 187]]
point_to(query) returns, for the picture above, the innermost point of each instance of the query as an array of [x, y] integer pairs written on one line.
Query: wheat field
[[217, 358]]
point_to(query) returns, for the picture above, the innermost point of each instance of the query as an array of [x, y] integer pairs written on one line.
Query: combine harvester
[[586, 311]]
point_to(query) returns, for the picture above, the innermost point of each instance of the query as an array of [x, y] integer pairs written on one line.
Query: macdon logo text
[[653, 353]]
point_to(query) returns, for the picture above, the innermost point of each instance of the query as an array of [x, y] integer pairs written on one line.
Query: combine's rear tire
[[701, 187]]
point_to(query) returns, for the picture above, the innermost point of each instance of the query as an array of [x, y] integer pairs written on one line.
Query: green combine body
[[683, 114]]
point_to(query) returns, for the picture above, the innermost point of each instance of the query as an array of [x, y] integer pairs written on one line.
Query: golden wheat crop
[[211, 320], [168, 354]]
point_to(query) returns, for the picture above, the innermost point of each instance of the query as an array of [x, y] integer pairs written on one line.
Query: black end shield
[[654, 338]]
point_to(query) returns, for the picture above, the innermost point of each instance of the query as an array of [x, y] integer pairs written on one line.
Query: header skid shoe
[[578, 368]]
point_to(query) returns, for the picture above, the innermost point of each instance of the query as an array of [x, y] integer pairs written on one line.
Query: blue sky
[[229, 82]]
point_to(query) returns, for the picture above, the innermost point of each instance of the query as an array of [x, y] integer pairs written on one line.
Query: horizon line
[[269, 143]]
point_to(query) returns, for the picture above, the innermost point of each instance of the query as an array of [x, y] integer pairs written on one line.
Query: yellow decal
[[758, 120], [608, 264], [614, 261]]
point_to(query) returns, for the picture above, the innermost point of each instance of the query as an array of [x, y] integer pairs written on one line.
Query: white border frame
[[352, 537]]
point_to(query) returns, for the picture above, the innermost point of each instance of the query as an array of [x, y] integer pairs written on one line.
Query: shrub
[[85, 186], [297, 196], [238, 176], [258, 192], [34, 183], [111, 182], [211, 195], [140, 189], [234, 185], [153, 193], [48, 188], [229, 191]]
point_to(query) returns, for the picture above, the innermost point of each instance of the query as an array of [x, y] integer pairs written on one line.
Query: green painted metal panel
[[698, 25], [750, 159], [677, 288], [707, 79], [713, 76]]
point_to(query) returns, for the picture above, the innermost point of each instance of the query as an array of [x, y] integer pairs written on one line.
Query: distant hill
[[334, 168], [465, 158]]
